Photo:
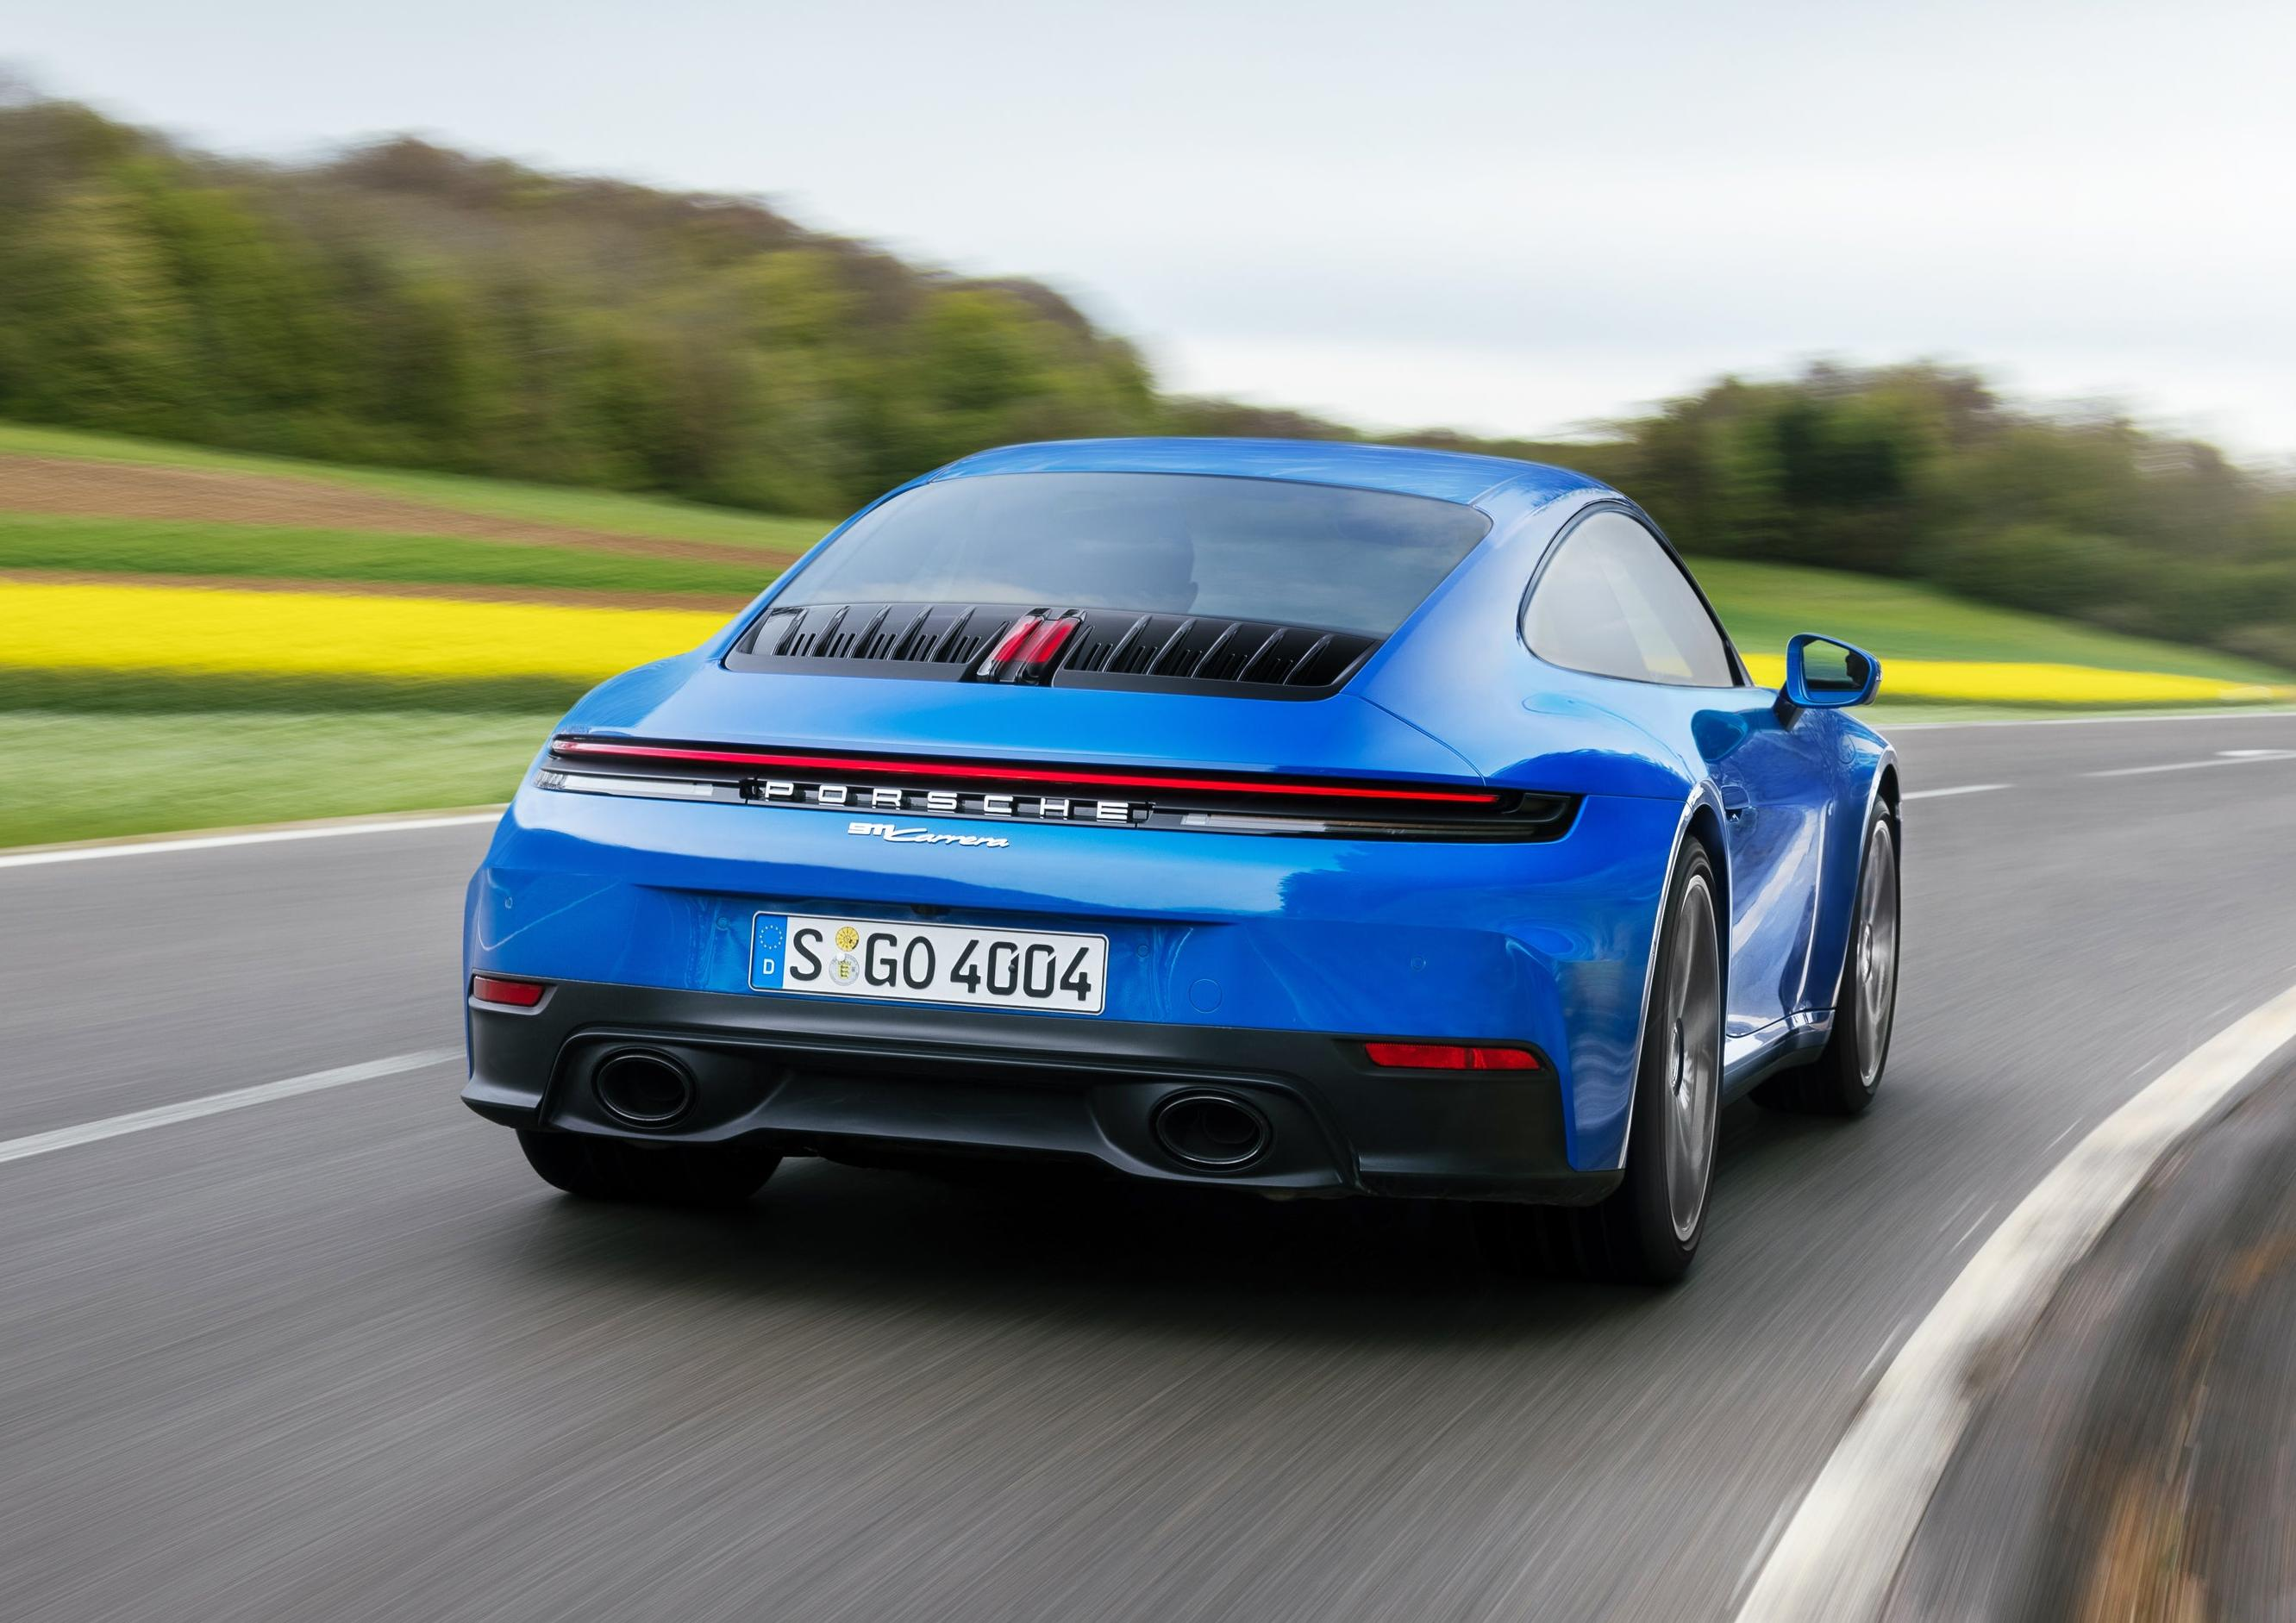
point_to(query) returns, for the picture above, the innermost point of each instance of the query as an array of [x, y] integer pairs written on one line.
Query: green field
[[1764, 604], [90, 758], [598, 510], [175, 546]]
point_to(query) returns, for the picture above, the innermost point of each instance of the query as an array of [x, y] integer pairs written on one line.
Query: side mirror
[[1821, 674]]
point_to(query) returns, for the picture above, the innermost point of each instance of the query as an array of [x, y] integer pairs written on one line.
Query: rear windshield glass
[[1168, 542]]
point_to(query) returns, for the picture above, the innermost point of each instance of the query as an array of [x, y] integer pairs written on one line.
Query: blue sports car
[[1311, 819]]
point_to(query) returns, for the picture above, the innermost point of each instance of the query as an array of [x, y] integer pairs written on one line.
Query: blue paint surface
[[1547, 943]]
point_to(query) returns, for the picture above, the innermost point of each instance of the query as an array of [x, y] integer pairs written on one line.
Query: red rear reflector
[[1501, 1059], [517, 994], [1418, 1056], [1449, 1056]]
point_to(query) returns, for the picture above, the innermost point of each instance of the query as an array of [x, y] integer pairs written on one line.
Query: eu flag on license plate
[[767, 944]]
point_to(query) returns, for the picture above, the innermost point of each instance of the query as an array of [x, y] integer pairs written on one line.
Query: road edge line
[[1956, 789], [215, 1104], [318, 828], [1841, 1551], [2228, 713]]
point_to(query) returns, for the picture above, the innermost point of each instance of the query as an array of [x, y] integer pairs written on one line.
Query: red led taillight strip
[[996, 772]]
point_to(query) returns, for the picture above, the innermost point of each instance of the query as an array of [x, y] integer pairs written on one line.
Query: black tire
[[1646, 1231], [1847, 1073], [653, 1175]]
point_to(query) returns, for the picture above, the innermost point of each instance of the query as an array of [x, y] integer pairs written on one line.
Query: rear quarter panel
[[1800, 783]]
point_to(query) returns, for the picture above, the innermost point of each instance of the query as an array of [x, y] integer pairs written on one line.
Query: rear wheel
[[1646, 1231], [655, 1175], [1841, 1081]]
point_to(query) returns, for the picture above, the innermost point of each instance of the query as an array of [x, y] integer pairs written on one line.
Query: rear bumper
[[1210, 935], [859, 1080]]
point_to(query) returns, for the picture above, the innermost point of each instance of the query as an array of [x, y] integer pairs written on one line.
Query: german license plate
[[957, 963]]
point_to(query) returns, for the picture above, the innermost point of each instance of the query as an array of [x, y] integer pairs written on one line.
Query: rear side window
[[1247, 549], [1614, 603]]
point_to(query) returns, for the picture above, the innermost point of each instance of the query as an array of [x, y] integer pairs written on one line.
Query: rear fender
[[1867, 779]]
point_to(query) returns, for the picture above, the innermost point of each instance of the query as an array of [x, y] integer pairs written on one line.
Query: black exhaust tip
[[1212, 1131], [644, 1089]]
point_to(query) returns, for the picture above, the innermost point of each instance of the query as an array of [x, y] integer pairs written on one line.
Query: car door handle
[[1735, 801]]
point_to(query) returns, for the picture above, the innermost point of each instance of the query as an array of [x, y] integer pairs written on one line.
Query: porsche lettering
[[940, 802]]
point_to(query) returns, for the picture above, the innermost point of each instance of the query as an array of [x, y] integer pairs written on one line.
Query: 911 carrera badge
[[921, 836]]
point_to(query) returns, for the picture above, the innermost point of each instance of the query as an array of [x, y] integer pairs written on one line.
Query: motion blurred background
[[372, 380]]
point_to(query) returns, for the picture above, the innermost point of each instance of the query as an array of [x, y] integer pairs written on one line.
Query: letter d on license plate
[[1005, 968]]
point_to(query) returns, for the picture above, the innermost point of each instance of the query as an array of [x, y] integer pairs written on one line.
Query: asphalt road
[[341, 1356]]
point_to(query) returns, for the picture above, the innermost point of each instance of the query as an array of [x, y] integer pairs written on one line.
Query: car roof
[[1450, 476]]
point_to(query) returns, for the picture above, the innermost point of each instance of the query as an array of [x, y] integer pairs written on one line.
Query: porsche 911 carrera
[[1309, 819]]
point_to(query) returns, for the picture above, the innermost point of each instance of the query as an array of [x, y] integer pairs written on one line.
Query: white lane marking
[[1836, 1559], [1967, 1202], [2230, 757], [1762, 1548], [210, 842], [1958, 789], [2088, 721], [1889, 1345], [215, 1104]]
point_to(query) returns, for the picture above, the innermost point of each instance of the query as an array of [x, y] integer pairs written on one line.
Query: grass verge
[[98, 776]]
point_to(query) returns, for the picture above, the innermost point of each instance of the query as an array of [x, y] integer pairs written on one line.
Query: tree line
[[407, 305], [412, 306]]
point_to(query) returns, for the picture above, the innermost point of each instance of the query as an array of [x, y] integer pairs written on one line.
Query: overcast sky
[[1509, 217]]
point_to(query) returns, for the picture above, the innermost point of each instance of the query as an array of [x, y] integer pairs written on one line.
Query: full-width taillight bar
[[775, 761]]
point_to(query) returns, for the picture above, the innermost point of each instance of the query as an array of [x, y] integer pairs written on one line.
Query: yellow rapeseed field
[[1999, 682], [199, 631], [192, 632]]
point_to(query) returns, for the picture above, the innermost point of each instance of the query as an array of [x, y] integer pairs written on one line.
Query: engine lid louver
[[1057, 646]]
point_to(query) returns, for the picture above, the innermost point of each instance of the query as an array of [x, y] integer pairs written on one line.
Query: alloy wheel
[[1693, 1015], [1877, 980]]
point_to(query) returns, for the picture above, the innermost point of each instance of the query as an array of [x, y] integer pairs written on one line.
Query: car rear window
[[1166, 543]]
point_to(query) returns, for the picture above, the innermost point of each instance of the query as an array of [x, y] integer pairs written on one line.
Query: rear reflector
[[999, 771], [1449, 1056], [517, 994]]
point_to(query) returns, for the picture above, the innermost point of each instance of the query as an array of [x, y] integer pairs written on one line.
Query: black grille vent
[[1214, 650], [1110, 648], [921, 633]]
